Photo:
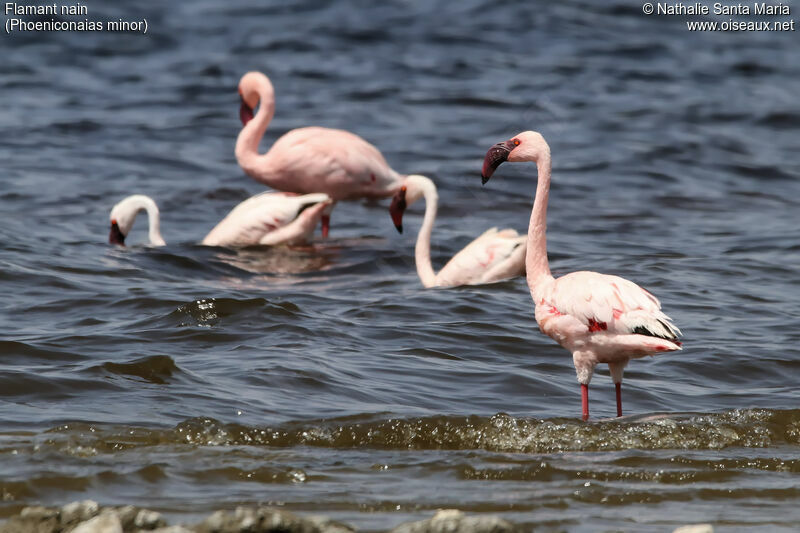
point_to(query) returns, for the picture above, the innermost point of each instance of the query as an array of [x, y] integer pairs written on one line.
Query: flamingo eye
[[516, 142]]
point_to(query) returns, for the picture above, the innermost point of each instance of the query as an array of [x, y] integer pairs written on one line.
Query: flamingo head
[[317, 207], [526, 146], [254, 87], [115, 236], [326, 218], [122, 216], [314, 208], [398, 207], [414, 187]]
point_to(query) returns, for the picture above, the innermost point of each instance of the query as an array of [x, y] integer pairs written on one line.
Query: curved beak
[[397, 209], [496, 155], [115, 236], [326, 217], [245, 112]]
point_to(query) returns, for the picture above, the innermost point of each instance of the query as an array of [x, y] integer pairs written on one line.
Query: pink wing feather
[[335, 162], [493, 256], [257, 217], [611, 303]]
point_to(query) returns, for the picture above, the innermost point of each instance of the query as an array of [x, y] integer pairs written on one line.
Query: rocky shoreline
[[89, 517]]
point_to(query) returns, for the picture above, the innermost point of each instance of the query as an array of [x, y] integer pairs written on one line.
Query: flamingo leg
[[617, 369], [326, 225], [585, 401]]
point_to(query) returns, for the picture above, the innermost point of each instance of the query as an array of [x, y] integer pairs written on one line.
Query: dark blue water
[[326, 380]]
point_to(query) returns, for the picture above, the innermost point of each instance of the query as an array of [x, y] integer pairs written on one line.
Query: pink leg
[[618, 386], [585, 401], [326, 225]]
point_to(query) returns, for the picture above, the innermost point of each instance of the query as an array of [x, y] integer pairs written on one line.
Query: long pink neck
[[422, 251], [247, 143], [536, 263]]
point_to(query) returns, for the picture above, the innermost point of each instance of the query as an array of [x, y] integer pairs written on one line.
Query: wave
[[749, 428]]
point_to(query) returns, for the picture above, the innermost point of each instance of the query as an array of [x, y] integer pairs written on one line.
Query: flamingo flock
[[599, 318]]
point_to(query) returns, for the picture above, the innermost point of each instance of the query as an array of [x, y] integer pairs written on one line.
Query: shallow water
[[325, 379]]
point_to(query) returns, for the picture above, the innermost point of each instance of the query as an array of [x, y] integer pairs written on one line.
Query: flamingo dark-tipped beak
[[245, 112], [115, 236], [496, 156], [397, 209]]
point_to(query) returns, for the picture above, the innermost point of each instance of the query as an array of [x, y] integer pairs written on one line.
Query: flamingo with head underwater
[[598, 317], [307, 160], [268, 218]]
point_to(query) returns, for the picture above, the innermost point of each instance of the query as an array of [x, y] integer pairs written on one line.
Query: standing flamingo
[[493, 256], [308, 160], [597, 317], [266, 218]]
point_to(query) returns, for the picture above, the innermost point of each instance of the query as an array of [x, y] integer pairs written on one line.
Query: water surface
[[325, 379]]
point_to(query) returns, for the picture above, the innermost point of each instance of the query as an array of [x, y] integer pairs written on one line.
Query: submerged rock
[[79, 511], [267, 520], [106, 522], [33, 520], [695, 528], [89, 517], [148, 520], [454, 521]]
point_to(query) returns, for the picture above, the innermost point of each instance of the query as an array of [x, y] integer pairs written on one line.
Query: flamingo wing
[[336, 162], [250, 221], [493, 256], [610, 303]]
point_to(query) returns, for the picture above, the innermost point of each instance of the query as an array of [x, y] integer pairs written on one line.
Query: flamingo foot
[[326, 225], [585, 401], [618, 386]]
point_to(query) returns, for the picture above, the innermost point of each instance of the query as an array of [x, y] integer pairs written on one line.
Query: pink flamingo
[[268, 218], [493, 256], [308, 160], [597, 317]]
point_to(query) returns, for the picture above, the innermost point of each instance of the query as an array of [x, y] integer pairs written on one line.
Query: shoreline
[[89, 517]]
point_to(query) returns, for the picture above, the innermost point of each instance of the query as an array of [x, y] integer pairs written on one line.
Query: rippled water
[[325, 379]]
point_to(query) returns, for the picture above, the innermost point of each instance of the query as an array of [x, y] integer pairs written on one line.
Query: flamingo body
[[599, 318], [603, 319], [270, 218], [493, 256], [336, 162]]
